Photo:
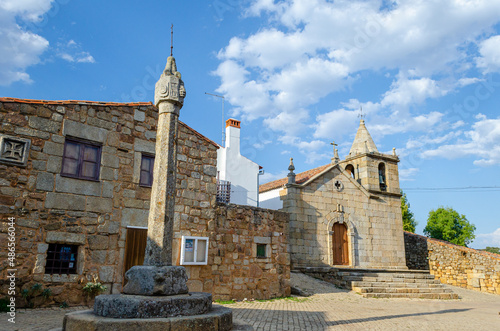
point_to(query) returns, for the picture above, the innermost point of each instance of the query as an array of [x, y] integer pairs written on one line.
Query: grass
[[294, 299], [225, 302]]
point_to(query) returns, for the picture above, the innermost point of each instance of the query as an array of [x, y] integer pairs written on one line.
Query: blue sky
[[426, 73]]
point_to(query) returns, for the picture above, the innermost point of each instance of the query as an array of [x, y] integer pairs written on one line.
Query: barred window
[[61, 259]]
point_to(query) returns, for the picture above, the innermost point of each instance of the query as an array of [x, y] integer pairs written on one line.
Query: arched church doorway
[[340, 245]]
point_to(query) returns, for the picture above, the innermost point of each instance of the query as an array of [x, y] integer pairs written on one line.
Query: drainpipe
[[261, 172]]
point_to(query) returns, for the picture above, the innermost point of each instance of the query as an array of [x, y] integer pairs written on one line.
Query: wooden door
[[135, 247], [340, 245]]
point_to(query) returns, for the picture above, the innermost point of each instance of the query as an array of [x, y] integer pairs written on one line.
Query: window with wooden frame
[[81, 159], [261, 251], [61, 259], [147, 166], [194, 250]]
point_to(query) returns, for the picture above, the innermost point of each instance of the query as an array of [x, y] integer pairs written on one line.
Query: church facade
[[347, 213]]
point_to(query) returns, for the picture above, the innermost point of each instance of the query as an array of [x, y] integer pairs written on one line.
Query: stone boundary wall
[[233, 270], [453, 264]]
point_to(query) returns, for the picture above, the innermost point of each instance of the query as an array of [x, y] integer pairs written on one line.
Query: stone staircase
[[383, 283]]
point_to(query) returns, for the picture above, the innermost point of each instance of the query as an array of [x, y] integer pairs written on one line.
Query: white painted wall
[[240, 171], [271, 199]]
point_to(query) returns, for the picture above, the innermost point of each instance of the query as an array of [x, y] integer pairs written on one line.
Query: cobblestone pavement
[[333, 309]]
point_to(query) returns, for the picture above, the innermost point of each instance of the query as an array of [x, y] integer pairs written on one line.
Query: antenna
[[171, 40], [222, 97]]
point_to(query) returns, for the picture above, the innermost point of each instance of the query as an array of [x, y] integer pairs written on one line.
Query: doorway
[[135, 247], [340, 244]]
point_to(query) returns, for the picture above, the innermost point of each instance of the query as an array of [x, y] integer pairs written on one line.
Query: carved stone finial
[[394, 151], [291, 174], [170, 86]]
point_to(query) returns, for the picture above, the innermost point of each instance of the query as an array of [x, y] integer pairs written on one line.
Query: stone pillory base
[[156, 295]]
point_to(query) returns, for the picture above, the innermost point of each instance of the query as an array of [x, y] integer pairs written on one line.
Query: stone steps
[[400, 290], [377, 283], [441, 296], [384, 283]]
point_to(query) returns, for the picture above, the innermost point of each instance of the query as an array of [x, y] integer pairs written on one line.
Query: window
[[194, 250], [261, 251], [61, 259], [381, 177], [147, 166], [81, 160]]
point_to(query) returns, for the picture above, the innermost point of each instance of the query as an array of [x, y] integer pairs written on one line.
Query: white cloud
[[488, 239], [407, 174], [20, 49], [483, 142], [313, 48], [269, 177], [71, 51], [490, 54]]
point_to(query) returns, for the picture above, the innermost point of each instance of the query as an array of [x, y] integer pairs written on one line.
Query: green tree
[[447, 224], [495, 250], [409, 222]]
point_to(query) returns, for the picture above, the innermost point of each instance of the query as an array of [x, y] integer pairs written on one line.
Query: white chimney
[[233, 136]]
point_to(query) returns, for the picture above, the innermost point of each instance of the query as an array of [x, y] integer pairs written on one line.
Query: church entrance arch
[[340, 245]]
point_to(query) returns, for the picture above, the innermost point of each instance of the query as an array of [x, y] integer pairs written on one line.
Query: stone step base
[[390, 280], [400, 290], [385, 275], [218, 319], [406, 285], [441, 296]]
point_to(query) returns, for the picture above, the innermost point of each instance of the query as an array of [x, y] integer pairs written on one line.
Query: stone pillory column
[[169, 98], [157, 276], [156, 294]]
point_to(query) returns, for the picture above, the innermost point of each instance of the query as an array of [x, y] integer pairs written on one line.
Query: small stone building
[[76, 177], [345, 213]]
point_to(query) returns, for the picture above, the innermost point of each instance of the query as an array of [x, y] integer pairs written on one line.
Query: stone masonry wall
[[453, 264], [233, 270], [50, 208], [374, 223]]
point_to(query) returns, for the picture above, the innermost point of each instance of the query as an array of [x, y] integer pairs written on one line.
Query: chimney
[[233, 135]]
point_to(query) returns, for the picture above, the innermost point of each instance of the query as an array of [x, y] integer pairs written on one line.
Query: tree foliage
[[447, 224], [495, 250], [409, 222]]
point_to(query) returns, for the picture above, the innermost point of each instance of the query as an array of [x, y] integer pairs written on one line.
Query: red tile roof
[[75, 102], [100, 103], [299, 179]]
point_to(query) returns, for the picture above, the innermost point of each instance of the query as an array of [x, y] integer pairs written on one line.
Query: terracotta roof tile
[[299, 179], [100, 103], [75, 102]]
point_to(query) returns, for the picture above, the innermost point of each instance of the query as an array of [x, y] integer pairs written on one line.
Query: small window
[[261, 251], [194, 250], [81, 160], [147, 166], [61, 259]]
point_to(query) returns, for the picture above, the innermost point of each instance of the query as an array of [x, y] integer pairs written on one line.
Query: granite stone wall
[[373, 222], [50, 208], [453, 264], [234, 271]]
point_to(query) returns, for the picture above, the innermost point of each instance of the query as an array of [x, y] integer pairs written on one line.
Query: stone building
[[76, 177], [345, 213]]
